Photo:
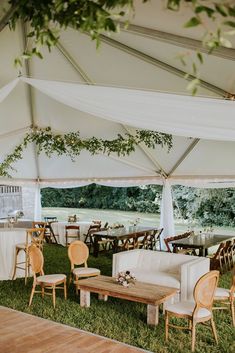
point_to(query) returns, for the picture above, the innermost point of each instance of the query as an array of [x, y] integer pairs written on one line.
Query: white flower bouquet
[[125, 278]]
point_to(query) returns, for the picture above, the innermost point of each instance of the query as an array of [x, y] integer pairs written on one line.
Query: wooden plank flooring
[[24, 333]]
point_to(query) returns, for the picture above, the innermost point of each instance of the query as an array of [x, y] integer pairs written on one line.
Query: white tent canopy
[[132, 81]]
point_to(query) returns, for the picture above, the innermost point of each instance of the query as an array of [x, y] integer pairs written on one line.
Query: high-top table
[[59, 229], [147, 293], [9, 237]]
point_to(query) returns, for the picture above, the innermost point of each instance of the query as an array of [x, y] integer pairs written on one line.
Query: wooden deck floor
[[24, 333]]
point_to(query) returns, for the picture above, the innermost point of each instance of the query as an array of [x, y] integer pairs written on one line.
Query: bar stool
[[33, 236]]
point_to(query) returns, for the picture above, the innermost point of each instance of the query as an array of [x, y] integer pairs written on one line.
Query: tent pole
[[167, 214], [37, 202]]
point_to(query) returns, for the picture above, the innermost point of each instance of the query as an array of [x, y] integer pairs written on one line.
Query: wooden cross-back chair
[[228, 255], [33, 236], [89, 241], [199, 311], [46, 282], [217, 261], [150, 239], [177, 237], [78, 253], [227, 297], [71, 232], [48, 234]]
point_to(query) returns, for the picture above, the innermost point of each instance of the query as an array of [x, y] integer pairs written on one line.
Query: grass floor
[[118, 319]]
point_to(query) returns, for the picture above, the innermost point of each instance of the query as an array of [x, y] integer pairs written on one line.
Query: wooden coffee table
[[150, 294]]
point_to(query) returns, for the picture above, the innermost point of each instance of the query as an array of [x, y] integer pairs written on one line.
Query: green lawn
[[118, 319], [124, 217]]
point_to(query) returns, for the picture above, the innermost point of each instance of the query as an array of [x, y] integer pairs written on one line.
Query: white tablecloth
[[9, 237], [59, 229]]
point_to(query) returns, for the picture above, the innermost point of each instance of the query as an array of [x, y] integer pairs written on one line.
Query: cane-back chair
[[46, 282], [197, 311], [78, 253]]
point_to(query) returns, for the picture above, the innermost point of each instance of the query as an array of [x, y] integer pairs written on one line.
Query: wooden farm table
[[147, 293], [119, 234], [201, 241]]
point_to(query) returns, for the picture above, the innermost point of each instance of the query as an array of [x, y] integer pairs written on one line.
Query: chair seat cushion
[[21, 246], [51, 278], [86, 271], [186, 308], [222, 292]]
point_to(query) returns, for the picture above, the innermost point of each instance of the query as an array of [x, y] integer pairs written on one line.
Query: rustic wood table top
[[138, 292]]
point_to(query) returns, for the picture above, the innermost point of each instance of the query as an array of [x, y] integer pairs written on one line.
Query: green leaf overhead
[[71, 144]]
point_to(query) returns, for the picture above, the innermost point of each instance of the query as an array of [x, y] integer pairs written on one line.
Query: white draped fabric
[[167, 215], [37, 204], [6, 90], [169, 113]]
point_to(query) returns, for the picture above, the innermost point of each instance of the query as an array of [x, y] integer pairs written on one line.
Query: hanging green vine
[[71, 144]]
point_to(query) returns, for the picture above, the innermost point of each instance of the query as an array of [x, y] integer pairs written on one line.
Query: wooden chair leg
[[14, 273], [214, 330], [53, 295], [32, 294], [70, 278], [65, 290], [76, 284], [43, 290], [232, 311], [26, 269], [193, 336], [166, 326]]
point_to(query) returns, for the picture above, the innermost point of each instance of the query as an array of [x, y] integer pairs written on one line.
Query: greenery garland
[[71, 144]]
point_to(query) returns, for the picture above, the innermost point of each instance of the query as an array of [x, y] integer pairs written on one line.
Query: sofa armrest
[[190, 273], [124, 261]]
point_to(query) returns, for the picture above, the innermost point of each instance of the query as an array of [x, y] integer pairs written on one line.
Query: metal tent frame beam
[[160, 64], [29, 93], [184, 42], [88, 80]]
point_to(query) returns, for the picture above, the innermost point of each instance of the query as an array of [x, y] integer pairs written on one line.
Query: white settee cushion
[[222, 292], [161, 278], [162, 261]]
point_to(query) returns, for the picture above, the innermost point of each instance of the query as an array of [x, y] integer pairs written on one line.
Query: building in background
[[10, 199], [16, 198]]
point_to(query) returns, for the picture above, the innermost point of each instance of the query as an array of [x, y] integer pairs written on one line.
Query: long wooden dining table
[[202, 242], [119, 234]]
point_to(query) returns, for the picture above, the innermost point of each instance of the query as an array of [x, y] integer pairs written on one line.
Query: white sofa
[[163, 268]]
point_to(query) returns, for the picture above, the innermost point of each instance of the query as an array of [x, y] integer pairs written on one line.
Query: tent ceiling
[[76, 60]]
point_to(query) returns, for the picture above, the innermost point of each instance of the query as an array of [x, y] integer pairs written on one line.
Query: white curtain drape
[[5, 90], [167, 215], [37, 204], [205, 118]]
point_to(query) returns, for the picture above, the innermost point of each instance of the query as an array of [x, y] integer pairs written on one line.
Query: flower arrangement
[[72, 219], [116, 225], [125, 278]]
